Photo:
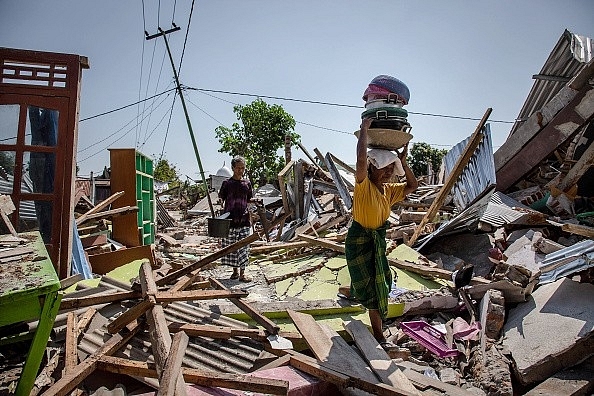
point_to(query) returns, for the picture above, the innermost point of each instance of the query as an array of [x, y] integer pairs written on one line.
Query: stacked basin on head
[[384, 100]]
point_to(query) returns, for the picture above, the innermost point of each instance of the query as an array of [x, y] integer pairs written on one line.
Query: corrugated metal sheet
[[479, 173], [235, 355], [569, 56], [564, 262], [463, 222], [500, 210]]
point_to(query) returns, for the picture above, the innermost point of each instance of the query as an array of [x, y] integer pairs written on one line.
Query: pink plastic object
[[429, 337]]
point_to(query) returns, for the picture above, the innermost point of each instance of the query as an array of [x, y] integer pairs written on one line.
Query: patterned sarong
[[240, 257], [371, 277]]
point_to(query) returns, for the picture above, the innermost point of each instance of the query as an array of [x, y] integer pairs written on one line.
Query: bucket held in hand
[[218, 227]]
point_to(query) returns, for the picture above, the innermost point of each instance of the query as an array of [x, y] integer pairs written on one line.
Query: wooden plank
[[431, 385], [158, 331], [106, 262], [579, 229], [224, 332], [194, 295], [377, 358], [70, 356], [93, 240], [283, 188], [112, 213], [97, 208], [521, 137], [71, 380], [128, 316], [245, 382], [578, 169], [325, 372], [558, 131], [207, 260], [475, 140], [84, 321], [331, 223], [277, 246], [71, 280], [298, 191], [262, 320], [334, 350], [167, 383], [80, 302]]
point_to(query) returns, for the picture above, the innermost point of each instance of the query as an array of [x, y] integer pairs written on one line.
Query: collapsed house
[[493, 266]]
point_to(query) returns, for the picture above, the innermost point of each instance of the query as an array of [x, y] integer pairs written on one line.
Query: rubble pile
[[492, 265]]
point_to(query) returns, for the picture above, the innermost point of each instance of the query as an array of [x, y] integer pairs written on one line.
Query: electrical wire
[[113, 134], [332, 104], [205, 112], [124, 107], [156, 87], [185, 40]]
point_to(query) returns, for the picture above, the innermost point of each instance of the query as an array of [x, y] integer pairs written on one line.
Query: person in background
[[365, 245], [236, 193]]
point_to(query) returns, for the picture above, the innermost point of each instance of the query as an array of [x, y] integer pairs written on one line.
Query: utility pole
[[164, 33]]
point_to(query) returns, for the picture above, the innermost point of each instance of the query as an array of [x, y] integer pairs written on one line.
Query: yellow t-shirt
[[370, 207]]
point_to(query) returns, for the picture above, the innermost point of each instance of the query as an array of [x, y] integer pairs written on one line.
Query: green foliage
[[7, 161], [421, 154], [258, 139], [166, 173]]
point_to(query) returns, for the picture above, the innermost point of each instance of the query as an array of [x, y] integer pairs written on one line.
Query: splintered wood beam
[[207, 260], [224, 332], [379, 361], [131, 314], [330, 223], [193, 295], [337, 247], [475, 140], [114, 212], [71, 357], [71, 303], [185, 281], [158, 331], [97, 208], [324, 372], [245, 382], [332, 349], [71, 380], [84, 320], [278, 246], [173, 365], [262, 320]]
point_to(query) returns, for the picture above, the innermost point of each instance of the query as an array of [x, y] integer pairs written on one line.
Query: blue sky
[[458, 58]]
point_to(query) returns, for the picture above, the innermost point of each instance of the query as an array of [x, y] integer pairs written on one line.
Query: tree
[[422, 154], [258, 139], [166, 173]]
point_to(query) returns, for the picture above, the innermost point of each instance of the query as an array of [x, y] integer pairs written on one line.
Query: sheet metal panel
[[569, 56], [478, 174]]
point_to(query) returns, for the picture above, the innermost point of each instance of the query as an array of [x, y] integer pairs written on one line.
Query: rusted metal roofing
[[569, 56]]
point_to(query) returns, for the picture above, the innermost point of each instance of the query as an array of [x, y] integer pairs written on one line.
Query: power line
[[332, 104], [113, 134], [126, 106]]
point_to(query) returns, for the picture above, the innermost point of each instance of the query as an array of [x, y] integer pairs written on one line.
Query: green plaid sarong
[[371, 278]]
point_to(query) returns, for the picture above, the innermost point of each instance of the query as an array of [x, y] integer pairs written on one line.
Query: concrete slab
[[553, 330]]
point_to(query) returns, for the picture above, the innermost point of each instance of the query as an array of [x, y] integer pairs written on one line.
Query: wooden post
[[473, 143]]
